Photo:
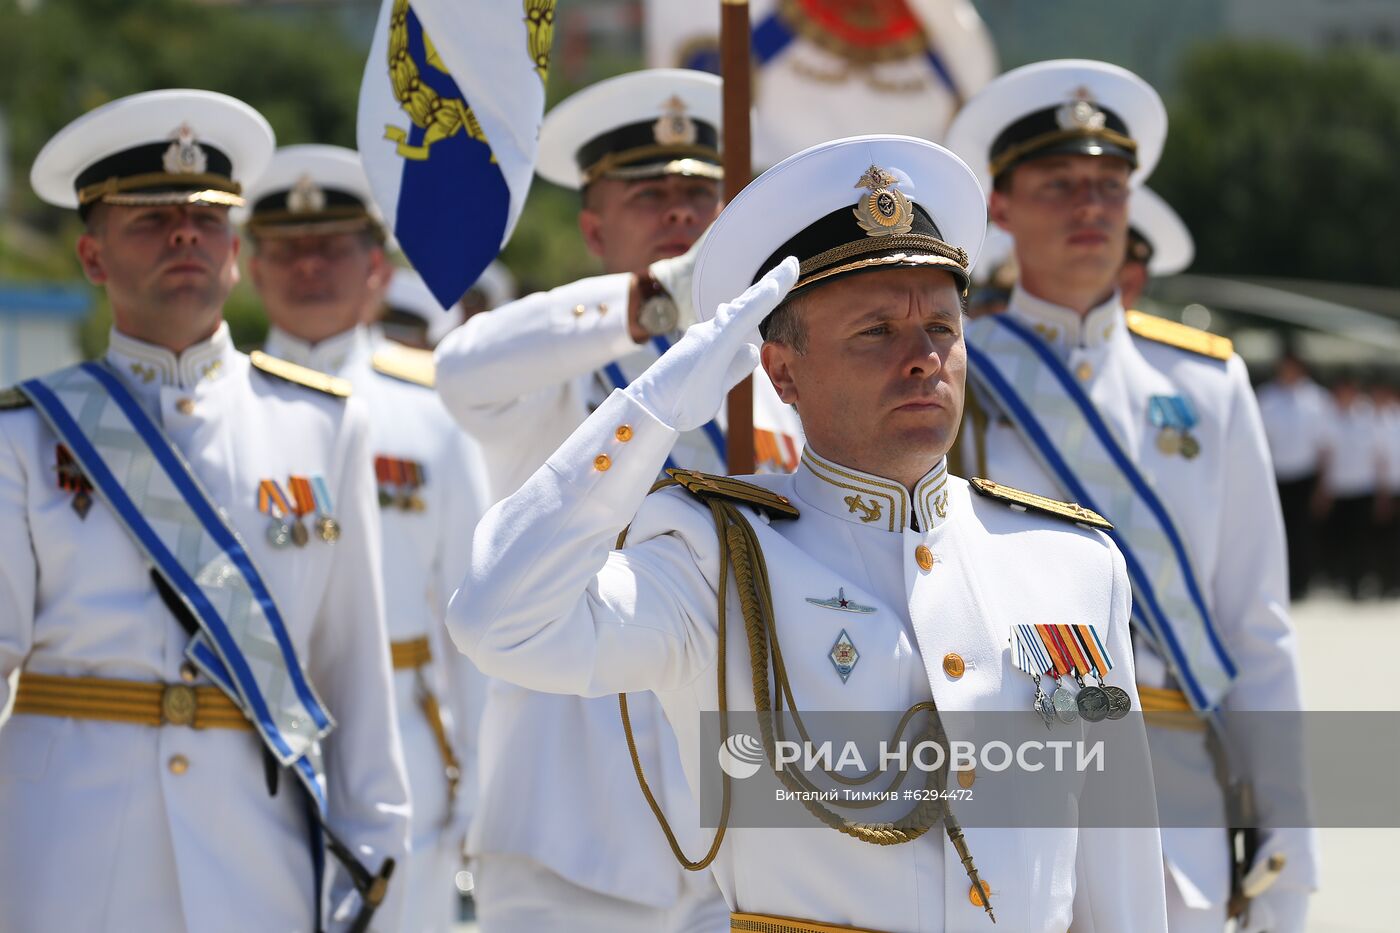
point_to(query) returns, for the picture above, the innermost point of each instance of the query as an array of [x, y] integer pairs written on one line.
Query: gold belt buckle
[[177, 705]]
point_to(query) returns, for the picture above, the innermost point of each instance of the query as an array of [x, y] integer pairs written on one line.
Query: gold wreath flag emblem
[[440, 118], [539, 20]]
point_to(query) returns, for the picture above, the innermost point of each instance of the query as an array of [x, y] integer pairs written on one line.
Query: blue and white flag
[[824, 69], [450, 111]]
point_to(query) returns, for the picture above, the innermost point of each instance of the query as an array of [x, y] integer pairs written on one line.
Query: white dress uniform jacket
[[1357, 450], [424, 555], [520, 380], [555, 608], [103, 827], [1297, 421], [1225, 505]]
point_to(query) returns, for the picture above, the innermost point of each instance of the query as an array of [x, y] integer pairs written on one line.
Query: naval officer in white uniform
[[644, 150], [868, 346], [135, 793], [318, 259], [1154, 424]]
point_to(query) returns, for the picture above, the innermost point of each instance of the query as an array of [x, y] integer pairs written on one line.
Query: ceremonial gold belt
[[132, 701], [1168, 709], [413, 655], [769, 923], [410, 654]]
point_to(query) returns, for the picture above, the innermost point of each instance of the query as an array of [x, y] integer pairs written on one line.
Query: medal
[[273, 503], [1168, 441], [1066, 709], [1029, 655], [1174, 417], [304, 501], [327, 528], [71, 479], [1093, 703], [1119, 703]]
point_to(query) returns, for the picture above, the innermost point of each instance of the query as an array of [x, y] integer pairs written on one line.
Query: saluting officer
[[1155, 425], [644, 150], [318, 260], [868, 244], [204, 702]]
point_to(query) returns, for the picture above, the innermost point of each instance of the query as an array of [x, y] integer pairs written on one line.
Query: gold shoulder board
[[1181, 336], [406, 364], [301, 375], [707, 486], [1068, 511], [13, 398]]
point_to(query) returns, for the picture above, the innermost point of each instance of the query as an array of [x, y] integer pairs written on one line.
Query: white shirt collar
[[872, 501], [329, 356], [1064, 328], [144, 365]]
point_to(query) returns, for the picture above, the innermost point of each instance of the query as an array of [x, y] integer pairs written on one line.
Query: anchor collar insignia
[[872, 501]]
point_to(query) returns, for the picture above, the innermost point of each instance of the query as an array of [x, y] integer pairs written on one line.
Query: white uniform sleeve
[[349, 664], [1250, 591], [1119, 879], [501, 359], [18, 568], [550, 606]]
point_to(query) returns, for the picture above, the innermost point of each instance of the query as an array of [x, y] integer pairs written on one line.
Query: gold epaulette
[[13, 398], [301, 375], [406, 364], [1068, 511], [1181, 336], [707, 486]]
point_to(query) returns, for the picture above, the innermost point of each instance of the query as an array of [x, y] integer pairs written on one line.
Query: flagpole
[[738, 167]]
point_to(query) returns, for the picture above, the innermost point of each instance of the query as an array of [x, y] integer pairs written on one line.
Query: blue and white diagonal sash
[[243, 644], [1077, 447]]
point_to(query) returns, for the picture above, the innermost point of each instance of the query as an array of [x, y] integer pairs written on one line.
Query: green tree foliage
[[1283, 163]]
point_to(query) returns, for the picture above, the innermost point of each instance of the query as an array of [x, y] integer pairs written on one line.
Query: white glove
[[676, 275], [687, 385]]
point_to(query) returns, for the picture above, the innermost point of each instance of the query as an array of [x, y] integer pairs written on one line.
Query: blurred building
[[39, 328]]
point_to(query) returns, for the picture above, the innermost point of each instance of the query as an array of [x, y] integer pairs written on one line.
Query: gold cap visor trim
[[683, 160], [214, 189]]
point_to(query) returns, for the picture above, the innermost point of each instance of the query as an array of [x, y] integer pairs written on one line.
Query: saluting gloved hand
[[687, 385], [675, 275]]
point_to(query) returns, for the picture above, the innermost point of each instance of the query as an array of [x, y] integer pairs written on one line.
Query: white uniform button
[[954, 665], [1084, 372], [578, 310], [188, 672], [179, 764], [185, 406], [967, 777], [602, 463], [976, 896], [624, 433], [602, 308]]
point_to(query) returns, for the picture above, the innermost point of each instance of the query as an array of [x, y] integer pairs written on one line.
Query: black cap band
[[1076, 128], [636, 146]]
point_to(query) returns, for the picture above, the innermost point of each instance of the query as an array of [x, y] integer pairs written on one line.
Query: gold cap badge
[[885, 211], [306, 197], [675, 128], [1081, 113], [184, 156]]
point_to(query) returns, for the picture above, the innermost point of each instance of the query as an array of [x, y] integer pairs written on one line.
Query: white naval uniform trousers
[[555, 608], [1225, 505], [521, 379], [102, 828], [424, 556]]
